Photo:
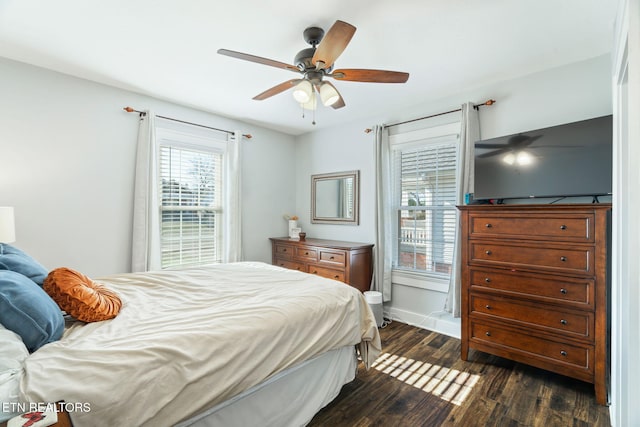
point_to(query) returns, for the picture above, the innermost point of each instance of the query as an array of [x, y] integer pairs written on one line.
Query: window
[[190, 181], [425, 171]]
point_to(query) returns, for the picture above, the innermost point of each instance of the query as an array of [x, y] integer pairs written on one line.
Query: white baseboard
[[439, 321]]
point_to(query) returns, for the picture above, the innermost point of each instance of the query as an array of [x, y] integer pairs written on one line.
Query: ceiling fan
[[513, 151], [514, 143], [316, 63]]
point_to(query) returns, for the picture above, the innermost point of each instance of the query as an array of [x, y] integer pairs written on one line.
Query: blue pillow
[[13, 259], [27, 310]]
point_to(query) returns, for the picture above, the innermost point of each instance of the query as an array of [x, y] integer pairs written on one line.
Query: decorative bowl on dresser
[[348, 262], [535, 287]]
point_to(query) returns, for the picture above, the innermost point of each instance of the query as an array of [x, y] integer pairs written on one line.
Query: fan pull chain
[[314, 116]]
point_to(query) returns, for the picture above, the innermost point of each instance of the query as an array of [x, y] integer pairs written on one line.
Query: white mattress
[[186, 341]]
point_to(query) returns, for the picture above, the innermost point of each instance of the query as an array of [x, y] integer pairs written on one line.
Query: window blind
[[191, 205], [425, 179]]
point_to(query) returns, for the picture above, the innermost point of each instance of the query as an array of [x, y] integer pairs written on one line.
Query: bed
[[229, 344]]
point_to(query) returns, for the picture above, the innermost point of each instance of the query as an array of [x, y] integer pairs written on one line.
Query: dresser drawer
[[333, 257], [549, 354], [292, 265], [569, 259], [576, 292], [578, 324], [284, 251], [327, 272], [306, 253], [570, 228]]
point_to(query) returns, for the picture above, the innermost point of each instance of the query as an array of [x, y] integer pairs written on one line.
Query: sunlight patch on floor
[[449, 384]]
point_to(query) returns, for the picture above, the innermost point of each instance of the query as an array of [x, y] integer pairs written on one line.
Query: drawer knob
[[281, 265], [564, 322], [315, 272], [563, 353], [332, 257], [487, 280], [488, 252], [488, 333], [488, 307], [563, 291], [563, 258], [306, 253], [336, 277], [563, 227], [488, 225]]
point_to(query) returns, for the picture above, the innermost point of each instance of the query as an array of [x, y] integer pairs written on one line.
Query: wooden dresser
[[535, 285], [347, 262]]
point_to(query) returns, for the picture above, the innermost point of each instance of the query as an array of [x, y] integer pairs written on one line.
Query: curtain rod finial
[[368, 130], [487, 103], [128, 109]]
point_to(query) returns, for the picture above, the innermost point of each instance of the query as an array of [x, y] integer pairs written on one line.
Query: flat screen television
[[573, 159]]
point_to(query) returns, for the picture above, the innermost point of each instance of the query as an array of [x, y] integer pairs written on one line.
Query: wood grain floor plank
[[420, 380]]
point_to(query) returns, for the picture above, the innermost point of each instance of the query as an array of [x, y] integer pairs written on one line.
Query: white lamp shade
[[311, 103], [7, 225], [328, 94], [303, 91]]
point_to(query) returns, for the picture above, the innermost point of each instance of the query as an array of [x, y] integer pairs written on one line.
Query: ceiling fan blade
[[277, 89], [258, 59], [494, 153], [372, 76], [333, 44]]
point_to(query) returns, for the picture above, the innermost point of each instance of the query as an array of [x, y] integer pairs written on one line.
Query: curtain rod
[[476, 107], [143, 113]]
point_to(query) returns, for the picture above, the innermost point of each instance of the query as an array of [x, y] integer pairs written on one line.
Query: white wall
[[67, 154], [570, 93], [339, 149]]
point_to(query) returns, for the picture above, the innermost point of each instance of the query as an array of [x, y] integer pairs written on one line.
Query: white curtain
[[383, 249], [232, 234], [469, 134], [146, 215]]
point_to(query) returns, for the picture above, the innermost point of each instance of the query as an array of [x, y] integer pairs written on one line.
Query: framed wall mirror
[[335, 198]]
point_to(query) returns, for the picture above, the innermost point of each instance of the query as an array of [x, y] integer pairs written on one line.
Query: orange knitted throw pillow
[[80, 296]]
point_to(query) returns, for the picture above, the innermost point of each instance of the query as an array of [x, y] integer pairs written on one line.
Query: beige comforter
[[187, 340]]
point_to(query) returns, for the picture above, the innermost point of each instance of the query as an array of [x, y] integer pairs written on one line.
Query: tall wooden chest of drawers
[[535, 287], [348, 262]]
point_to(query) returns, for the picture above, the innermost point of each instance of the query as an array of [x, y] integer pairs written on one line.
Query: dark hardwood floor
[[420, 380]]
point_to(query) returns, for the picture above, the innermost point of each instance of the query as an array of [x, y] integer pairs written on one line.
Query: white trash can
[[374, 299]]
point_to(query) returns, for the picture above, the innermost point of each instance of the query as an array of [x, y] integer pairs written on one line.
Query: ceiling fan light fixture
[[524, 158], [520, 158], [328, 94], [303, 92], [509, 158], [311, 104]]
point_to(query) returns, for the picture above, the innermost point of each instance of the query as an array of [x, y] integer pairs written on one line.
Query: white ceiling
[[167, 49]]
